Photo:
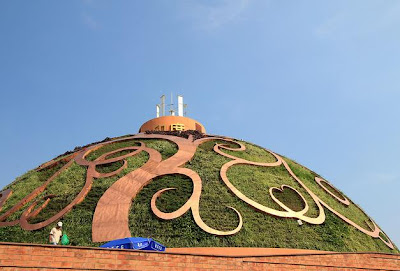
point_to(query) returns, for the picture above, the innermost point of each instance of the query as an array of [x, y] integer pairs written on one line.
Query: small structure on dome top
[[172, 122]]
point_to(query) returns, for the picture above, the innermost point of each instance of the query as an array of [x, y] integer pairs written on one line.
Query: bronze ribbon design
[[110, 220]]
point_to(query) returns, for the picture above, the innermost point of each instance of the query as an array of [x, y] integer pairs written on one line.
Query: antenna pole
[[180, 105], [171, 107], [163, 105]]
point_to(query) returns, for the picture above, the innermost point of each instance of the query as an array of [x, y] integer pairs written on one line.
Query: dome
[[185, 189]]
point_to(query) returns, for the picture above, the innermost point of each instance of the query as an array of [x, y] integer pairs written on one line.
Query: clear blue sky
[[317, 81]]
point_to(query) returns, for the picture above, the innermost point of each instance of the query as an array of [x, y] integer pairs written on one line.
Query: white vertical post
[[158, 110], [163, 105], [180, 105]]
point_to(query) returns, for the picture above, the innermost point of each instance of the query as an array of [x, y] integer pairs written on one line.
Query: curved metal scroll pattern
[[284, 206], [30, 211], [321, 182], [289, 213], [111, 215], [193, 203], [110, 220], [28, 199], [4, 195]]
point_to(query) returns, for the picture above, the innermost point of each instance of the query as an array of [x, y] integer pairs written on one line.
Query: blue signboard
[[138, 243]]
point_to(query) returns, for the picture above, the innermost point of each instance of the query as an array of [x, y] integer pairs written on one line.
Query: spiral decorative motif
[[374, 231], [110, 220]]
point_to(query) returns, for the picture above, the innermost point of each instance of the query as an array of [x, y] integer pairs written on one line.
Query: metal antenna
[[158, 110], [182, 108], [171, 107], [162, 105], [180, 105]]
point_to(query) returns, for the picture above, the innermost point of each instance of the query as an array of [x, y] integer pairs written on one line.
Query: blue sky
[[317, 81]]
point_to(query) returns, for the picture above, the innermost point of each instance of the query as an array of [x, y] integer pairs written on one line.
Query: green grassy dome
[[259, 229]]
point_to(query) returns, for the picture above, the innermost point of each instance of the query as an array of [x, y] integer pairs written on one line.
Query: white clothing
[[55, 235]]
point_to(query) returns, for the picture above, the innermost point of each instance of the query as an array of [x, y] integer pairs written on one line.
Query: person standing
[[55, 234]]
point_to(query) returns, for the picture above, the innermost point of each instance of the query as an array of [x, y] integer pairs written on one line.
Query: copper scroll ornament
[[110, 220]]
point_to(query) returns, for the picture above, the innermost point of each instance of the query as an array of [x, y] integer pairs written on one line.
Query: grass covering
[[24, 185], [259, 229], [78, 222]]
